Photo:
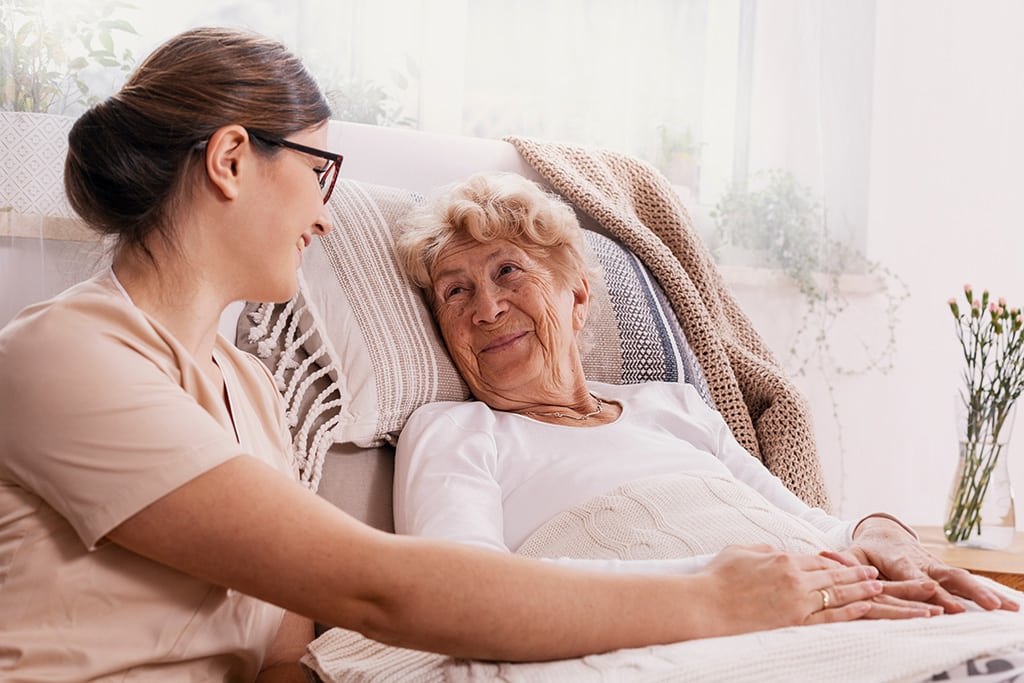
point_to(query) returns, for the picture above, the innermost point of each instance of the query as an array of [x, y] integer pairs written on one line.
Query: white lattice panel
[[32, 150]]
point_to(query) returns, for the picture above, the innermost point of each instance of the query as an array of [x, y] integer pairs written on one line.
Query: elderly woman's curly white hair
[[490, 207]]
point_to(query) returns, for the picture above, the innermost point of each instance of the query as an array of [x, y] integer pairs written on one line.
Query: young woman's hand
[[758, 587]]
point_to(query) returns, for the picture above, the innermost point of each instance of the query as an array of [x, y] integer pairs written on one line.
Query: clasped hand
[[759, 587], [911, 573], [885, 574]]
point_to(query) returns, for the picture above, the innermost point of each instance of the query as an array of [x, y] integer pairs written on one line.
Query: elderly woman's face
[[509, 324]]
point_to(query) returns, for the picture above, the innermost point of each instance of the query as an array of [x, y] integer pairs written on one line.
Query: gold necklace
[[600, 404]]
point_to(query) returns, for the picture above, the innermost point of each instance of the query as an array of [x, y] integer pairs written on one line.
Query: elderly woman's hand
[[913, 573]]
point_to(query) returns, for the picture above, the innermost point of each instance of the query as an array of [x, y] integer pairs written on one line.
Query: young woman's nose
[[323, 224]]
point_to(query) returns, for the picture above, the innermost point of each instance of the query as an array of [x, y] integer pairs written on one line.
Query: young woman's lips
[[502, 343]]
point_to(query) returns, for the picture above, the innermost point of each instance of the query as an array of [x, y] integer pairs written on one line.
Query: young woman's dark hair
[[130, 157]]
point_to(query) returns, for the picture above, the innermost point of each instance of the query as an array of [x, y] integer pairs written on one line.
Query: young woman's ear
[[224, 152], [580, 303]]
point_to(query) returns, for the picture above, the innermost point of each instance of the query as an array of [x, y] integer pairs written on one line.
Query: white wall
[[944, 209]]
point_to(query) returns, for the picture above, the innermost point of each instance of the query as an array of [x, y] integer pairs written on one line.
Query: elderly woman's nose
[[489, 304]]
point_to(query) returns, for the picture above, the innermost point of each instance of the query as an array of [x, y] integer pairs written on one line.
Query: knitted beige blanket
[[637, 204], [643, 519]]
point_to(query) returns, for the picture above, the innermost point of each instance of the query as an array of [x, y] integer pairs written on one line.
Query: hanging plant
[[782, 225]]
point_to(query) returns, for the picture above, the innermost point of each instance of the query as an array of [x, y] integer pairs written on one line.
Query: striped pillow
[[648, 344], [357, 351]]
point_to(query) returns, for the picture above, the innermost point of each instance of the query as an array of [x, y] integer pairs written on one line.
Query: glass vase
[[980, 513]]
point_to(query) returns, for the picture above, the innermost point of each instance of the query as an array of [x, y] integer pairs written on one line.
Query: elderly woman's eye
[[507, 268], [453, 291]]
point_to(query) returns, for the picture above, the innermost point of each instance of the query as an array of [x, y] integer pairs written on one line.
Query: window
[[712, 92]]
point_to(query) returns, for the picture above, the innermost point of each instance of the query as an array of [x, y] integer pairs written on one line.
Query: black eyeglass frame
[[335, 159]]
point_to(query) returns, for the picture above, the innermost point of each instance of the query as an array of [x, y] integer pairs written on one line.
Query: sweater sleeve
[[445, 485], [747, 469]]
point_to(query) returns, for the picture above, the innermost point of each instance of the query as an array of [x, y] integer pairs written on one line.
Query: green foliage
[[673, 144], [678, 156], [992, 340], [48, 51], [784, 224], [364, 101]]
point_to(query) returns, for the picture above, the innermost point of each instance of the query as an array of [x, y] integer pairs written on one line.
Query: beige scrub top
[[104, 412]]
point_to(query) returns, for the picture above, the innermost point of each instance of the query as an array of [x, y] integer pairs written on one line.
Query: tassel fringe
[[308, 382]]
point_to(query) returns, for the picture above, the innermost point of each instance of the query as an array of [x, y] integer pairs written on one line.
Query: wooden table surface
[[1005, 566]]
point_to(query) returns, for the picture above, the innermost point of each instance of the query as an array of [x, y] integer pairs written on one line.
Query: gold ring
[[826, 600]]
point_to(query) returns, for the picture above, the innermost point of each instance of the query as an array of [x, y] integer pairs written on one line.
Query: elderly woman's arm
[[449, 489]]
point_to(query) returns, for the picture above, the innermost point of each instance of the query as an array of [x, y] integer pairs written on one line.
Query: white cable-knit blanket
[[669, 516], [644, 519]]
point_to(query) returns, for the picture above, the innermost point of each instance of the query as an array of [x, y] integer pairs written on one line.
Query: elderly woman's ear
[[581, 303]]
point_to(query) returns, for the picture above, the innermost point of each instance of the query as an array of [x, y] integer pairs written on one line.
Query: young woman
[[150, 524]]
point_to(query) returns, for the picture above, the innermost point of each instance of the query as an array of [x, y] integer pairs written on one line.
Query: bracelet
[[884, 515]]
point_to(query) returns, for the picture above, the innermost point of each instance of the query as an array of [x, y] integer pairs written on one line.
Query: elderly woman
[[501, 264]]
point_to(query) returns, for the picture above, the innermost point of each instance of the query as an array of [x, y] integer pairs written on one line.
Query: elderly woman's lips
[[502, 343]]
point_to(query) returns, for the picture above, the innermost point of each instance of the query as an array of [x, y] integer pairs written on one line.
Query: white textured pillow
[[357, 351]]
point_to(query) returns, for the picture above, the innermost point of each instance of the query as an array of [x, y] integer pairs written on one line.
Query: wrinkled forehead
[[464, 254]]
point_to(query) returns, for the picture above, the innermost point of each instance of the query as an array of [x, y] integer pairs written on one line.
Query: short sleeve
[[107, 413]]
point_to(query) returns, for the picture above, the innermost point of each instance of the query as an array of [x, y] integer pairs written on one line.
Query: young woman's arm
[[245, 526]]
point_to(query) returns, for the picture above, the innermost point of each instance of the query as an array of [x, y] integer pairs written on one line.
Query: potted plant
[[678, 157], [367, 101], [47, 60]]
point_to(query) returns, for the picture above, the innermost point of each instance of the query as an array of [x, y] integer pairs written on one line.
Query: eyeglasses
[[331, 169]]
